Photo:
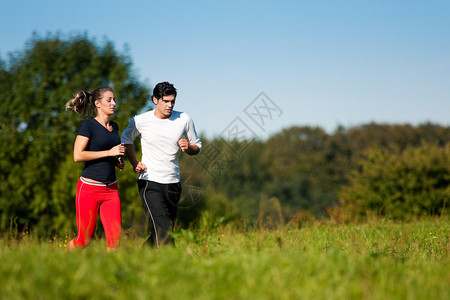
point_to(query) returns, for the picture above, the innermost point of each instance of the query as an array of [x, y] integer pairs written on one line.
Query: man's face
[[164, 106]]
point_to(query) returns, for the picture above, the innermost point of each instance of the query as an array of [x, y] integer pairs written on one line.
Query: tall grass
[[372, 261]]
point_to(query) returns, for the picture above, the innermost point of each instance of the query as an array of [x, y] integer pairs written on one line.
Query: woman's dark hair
[[164, 89], [83, 103]]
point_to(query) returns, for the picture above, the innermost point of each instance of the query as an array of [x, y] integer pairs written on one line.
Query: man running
[[164, 132]]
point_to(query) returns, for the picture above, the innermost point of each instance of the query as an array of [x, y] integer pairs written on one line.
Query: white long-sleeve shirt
[[159, 141]]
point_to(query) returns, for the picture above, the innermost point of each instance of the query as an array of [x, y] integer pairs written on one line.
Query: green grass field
[[382, 260]]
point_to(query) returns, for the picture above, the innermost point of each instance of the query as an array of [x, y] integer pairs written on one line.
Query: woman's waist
[[97, 182], [99, 174]]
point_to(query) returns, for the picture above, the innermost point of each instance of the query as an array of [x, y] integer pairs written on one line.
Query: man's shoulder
[[145, 115], [179, 115]]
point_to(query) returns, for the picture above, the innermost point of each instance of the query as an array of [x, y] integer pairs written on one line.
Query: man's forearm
[[193, 150], [131, 154]]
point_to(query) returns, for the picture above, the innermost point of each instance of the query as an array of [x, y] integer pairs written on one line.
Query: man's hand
[[140, 167], [188, 148], [121, 163], [184, 144]]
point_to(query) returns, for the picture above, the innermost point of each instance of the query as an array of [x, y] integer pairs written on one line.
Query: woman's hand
[[118, 150]]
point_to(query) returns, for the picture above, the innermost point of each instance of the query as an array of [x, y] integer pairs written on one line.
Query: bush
[[401, 184]]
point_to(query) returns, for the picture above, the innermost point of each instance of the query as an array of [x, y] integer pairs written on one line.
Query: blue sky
[[268, 65]]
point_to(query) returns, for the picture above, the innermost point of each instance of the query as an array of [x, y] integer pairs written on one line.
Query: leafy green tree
[[346, 146], [301, 176], [402, 185], [302, 167], [38, 175]]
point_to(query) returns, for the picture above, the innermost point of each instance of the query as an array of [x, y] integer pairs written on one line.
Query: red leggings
[[90, 198]]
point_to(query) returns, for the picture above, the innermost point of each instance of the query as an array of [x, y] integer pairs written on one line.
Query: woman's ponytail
[[81, 104]]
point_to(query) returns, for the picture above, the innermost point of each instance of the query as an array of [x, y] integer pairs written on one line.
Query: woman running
[[98, 146]]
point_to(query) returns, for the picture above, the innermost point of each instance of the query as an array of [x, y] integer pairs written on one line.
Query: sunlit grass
[[372, 261]]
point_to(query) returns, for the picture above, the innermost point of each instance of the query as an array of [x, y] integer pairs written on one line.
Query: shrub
[[400, 184]]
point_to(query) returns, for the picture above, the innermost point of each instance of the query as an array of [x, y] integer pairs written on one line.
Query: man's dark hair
[[164, 89]]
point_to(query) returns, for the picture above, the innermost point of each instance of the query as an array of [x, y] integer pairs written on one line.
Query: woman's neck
[[103, 119]]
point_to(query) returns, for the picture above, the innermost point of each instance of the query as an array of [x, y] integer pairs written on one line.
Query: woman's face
[[106, 104]]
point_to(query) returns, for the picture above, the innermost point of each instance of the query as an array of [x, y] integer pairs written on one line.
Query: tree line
[[302, 172], [397, 171]]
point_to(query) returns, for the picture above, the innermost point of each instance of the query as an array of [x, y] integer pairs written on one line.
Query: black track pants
[[160, 201]]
